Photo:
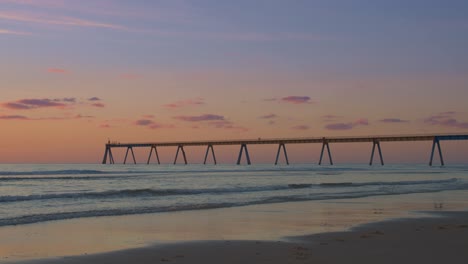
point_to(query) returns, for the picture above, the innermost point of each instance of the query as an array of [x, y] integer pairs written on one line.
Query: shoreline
[[432, 238], [267, 222]]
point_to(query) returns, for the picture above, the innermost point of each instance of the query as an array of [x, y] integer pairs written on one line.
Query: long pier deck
[[281, 142]]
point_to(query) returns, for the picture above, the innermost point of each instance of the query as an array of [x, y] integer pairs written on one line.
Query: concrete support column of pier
[[325, 144], [376, 143], [180, 148], [434, 143], [133, 155], [151, 152], [212, 153], [243, 146], [281, 145]]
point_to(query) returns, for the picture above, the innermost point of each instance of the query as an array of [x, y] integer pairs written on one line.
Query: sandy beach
[[437, 239], [384, 216]]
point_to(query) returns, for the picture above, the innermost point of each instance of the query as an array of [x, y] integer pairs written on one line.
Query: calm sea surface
[[38, 193]]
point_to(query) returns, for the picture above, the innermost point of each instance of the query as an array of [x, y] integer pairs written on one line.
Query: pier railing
[[281, 142]]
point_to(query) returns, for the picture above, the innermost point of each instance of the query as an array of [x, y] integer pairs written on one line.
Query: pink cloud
[[328, 118], [301, 127], [205, 117], [60, 103], [53, 118], [13, 117], [99, 105], [25, 104], [148, 116], [144, 122], [188, 102], [296, 99], [393, 120], [105, 126], [57, 70], [57, 20], [362, 122], [446, 119], [79, 116], [347, 126], [13, 32], [339, 126], [151, 124], [269, 116]]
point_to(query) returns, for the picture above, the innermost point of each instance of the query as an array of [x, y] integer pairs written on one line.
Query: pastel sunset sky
[[74, 74]]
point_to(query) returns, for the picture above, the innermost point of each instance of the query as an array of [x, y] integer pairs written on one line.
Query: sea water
[[40, 193]]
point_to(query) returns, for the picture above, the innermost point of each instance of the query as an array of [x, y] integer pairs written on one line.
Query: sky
[[75, 74]]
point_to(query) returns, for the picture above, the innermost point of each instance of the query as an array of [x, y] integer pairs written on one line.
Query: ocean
[[41, 193]]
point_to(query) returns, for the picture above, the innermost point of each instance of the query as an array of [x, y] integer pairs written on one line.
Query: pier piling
[[151, 152], [181, 148], [212, 153], [244, 147], [434, 143], [325, 144], [281, 145], [376, 143]]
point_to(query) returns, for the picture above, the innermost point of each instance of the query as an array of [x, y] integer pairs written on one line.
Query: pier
[[325, 141]]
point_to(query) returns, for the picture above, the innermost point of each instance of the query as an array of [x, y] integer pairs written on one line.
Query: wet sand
[[439, 239]]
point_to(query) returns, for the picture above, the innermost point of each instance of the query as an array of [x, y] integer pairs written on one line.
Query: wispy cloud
[[347, 126], [26, 104], [184, 103], [13, 32], [13, 117], [393, 120], [99, 105], [59, 103], [301, 127], [446, 119], [293, 99], [93, 99], [296, 99], [269, 116], [205, 117], [53, 118], [330, 118], [144, 122], [149, 123], [35, 18]]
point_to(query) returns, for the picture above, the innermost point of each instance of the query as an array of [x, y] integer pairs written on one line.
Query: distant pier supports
[[181, 148], [151, 152], [281, 145], [108, 153], [244, 146], [434, 143], [133, 155], [212, 153], [325, 144], [376, 143]]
